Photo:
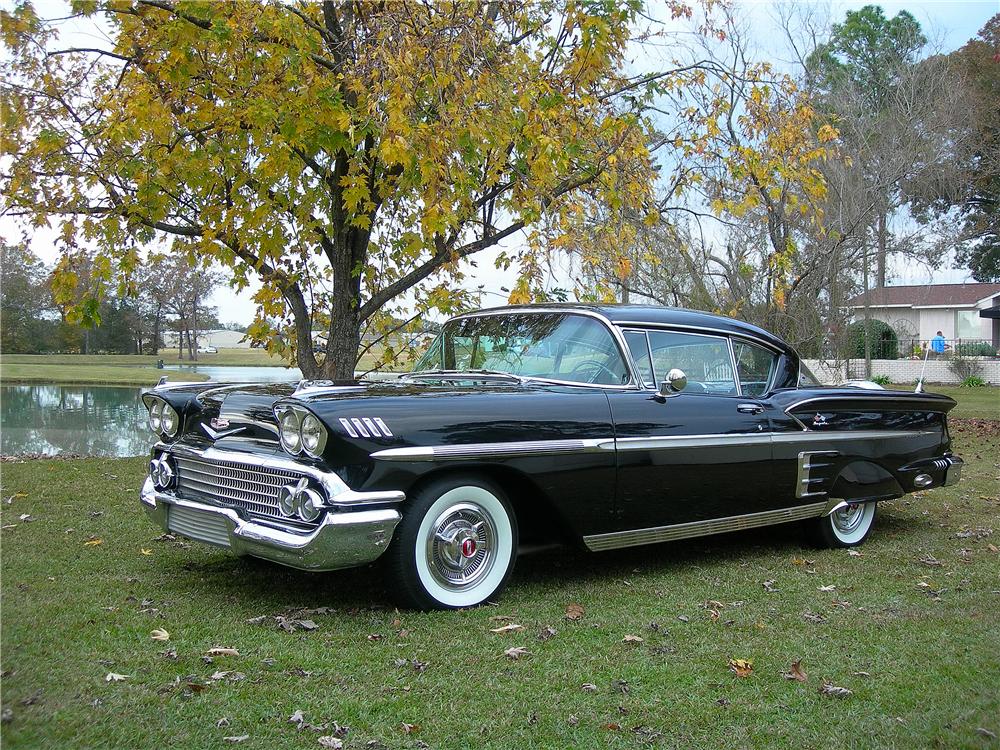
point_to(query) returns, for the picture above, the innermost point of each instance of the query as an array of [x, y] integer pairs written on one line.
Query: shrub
[[884, 342], [976, 349], [964, 368], [882, 380], [973, 381]]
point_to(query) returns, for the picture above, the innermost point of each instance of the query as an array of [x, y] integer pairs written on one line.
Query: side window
[[636, 341], [755, 366], [704, 359]]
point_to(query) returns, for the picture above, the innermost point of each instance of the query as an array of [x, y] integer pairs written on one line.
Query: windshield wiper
[[461, 375]]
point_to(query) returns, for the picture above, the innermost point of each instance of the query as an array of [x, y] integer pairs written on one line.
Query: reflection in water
[[235, 374], [88, 420]]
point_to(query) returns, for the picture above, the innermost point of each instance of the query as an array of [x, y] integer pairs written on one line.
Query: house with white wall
[[919, 312]]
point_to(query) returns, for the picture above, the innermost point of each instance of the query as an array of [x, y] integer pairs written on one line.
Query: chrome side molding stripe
[[494, 450], [560, 447], [636, 537]]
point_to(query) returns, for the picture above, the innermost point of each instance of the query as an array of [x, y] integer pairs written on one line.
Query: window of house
[[967, 324]]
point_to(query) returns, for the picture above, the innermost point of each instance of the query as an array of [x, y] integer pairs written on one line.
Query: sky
[[947, 23]]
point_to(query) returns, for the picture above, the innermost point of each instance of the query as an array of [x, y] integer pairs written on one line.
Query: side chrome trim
[[804, 482], [692, 441], [659, 442], [494, 450], [718, 331], [859, 393], [814, 436], [656, 534]]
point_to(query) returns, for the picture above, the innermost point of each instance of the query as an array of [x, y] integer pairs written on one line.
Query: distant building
[[919, 312]]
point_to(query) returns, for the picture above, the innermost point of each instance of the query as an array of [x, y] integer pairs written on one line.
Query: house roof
[[926, 295]]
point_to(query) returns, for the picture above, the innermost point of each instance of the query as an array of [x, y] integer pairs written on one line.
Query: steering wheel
[[597, 368]]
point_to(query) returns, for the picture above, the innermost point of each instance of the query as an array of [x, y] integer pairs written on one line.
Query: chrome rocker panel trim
[[339, 494], [342, 540], [656, 534]]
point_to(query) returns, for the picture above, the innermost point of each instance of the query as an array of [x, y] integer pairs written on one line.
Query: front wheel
[[847, 527], [455, 546]]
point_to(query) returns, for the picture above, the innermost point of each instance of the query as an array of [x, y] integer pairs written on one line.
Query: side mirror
[[675, 383]]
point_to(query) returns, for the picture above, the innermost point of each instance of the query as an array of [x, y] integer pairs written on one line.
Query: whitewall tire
[[848, 526], [455, 546]]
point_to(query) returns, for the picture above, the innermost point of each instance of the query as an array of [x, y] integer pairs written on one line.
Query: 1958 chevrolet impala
[[609, 426]]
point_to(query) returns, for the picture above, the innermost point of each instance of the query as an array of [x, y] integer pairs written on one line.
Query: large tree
[[347, 155]]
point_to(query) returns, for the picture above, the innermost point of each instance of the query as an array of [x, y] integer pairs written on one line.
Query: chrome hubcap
[[461, 548], [849, 518]]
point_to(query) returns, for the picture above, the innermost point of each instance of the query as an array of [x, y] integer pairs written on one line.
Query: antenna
[[920, 380]]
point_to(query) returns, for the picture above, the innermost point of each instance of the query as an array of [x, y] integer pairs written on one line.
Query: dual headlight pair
[[300, 430], [163, 418]]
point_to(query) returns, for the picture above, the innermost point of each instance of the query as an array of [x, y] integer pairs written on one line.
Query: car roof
[[655, 315]]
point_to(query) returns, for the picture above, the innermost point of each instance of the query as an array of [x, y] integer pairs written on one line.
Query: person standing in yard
[[938, 344]]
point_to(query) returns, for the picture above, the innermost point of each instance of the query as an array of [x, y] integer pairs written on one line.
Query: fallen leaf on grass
[[589, 687], [574, 612], [159, 634], [633, 639], [802, 561], [93, 542], [572, 720], [828, 688], [511, 628], [741, 667], [547, 632], [930, 561], [409, 728], [222, 651], [855, 553], [375, 636], [683, 618], [516, 652], [769, 587], [237, 738], [143, 551], [223, 722], [831, 587], [297, 718], [115, 677], [795, 672], [986, 733], [26, 517], [331, 742]]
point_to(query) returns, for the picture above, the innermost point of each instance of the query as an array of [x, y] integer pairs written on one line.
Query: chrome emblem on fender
[[819, 420]]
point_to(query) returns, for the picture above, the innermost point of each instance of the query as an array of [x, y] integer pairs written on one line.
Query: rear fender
[[865, 480]]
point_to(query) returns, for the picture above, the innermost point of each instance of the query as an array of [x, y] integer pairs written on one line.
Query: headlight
[[289, 431], [313, 435], [169, 420], [154, 416]]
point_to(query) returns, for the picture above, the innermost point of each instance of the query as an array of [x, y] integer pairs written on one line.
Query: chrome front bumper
[[343, 539]]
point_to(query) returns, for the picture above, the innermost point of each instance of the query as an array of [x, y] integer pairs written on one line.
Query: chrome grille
[[253, 489], [204, 527]]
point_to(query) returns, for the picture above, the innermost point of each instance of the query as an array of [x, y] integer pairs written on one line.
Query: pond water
[[236, 374], [97, 420], [85, 420]]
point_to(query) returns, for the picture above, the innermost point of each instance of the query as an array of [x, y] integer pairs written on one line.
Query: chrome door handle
[[750, 408]]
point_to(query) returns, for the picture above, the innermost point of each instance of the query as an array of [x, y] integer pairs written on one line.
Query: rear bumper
[[342, 540], [931, 472]]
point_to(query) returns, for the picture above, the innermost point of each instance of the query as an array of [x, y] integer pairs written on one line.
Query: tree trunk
[[342, 348], [868, 317], [156, 331], [882, 248]]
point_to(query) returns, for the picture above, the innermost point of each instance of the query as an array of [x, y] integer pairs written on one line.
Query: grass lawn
[[85, 374], [912, 628]]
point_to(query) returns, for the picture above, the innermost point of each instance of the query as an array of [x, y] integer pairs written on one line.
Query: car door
[[699, 454]]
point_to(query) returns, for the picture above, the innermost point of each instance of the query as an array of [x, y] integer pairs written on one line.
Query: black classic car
[[607, 426]]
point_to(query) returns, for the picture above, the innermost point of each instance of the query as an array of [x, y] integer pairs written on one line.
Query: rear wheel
[[846, 527], [455, 546]]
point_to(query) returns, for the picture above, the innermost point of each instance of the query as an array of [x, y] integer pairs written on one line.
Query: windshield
[[552, 346]]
